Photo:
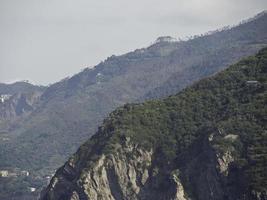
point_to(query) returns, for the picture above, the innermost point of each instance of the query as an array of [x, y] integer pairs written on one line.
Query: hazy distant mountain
[[70, 111], [18, 104], [17, 100], [207, 142], [19, 87], [212, 53]]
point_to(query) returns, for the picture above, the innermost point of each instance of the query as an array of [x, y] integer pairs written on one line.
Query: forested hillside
[[207, 142]]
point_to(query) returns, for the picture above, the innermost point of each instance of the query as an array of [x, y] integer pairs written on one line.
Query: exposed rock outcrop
[[131, 173]]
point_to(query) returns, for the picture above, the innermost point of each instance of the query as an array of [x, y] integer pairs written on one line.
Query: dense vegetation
[[231, 103]]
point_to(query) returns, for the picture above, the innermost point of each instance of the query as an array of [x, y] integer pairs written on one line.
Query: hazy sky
[[46, 40]]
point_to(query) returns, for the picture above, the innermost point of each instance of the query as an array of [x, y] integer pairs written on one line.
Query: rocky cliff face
[[128, 173], [207, 142], [132, 173]]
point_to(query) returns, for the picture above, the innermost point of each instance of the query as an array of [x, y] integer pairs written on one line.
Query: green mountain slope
[[207, 142]]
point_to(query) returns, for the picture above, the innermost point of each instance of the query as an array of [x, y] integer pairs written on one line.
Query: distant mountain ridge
[[68, 112], [17, 100], [19, 87]]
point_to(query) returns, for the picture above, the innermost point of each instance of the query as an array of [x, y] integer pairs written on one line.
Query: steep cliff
[[207, 142]]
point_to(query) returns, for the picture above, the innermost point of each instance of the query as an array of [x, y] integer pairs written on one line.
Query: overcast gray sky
[[46, 40]]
